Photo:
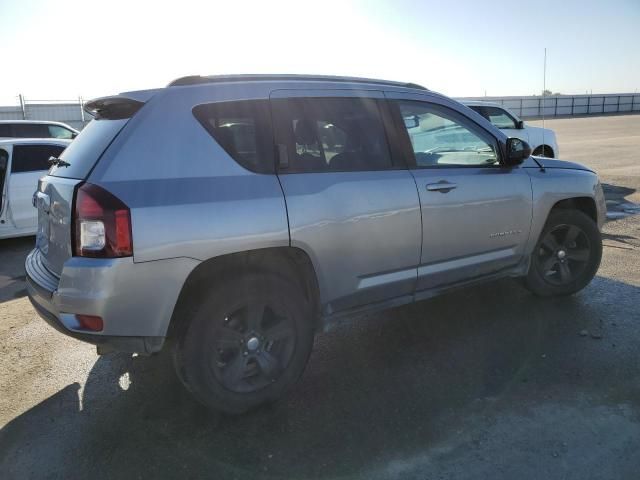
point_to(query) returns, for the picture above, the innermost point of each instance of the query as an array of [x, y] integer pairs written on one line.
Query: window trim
[[284, 136], [470, 124]]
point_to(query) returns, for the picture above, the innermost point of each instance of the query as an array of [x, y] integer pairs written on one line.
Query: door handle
[[442, 186]]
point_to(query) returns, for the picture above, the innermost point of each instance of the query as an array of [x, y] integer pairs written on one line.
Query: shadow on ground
[[411, 382]]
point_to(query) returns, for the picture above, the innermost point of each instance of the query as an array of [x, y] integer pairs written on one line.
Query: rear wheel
[[567, 255], [247, 343]]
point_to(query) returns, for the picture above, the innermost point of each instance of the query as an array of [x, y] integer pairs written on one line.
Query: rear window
[[243, 129], [83, 153], [33, 158]]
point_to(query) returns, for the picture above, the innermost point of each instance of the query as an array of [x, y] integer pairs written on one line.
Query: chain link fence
[[70, 112]]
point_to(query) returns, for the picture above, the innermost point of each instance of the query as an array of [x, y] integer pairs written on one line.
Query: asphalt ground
[[488, 382]]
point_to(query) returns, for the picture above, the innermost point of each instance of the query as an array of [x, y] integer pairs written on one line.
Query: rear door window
[[243, 129], [33, 158], [30, 130], [332, 134]]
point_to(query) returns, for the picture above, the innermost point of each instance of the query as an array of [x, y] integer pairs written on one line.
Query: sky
[[63, 49]]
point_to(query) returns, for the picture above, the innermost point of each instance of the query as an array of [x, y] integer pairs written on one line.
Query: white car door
[[28, 163]]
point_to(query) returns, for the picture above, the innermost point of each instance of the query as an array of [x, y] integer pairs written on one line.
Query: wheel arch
[[540, 148], [586, 205], [290, 262]]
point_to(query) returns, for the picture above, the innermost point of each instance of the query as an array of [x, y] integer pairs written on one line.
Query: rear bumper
[[135, 301]]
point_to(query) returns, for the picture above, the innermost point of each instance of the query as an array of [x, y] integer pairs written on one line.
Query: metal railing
[[567, 105], [72, 111]]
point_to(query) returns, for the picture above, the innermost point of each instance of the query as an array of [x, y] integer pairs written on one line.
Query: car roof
[[199, 80], [34, 141], [39, 122]]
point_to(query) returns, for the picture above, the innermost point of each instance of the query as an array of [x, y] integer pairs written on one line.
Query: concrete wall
[[567, 105], [69, 113]]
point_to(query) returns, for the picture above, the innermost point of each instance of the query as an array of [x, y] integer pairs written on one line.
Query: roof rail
[[198, 79]]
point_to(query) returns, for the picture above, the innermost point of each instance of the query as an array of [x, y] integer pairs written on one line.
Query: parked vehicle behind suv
[[542, 140], [36, 129], [235, 216], [22, 163]]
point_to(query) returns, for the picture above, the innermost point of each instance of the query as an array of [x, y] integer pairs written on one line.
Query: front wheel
[[567, 255], [247, 343]]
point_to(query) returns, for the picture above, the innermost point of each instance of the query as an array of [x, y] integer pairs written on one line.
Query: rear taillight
[[102, 224]]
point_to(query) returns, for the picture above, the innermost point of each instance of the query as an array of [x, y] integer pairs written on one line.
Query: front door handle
[[442, 186]]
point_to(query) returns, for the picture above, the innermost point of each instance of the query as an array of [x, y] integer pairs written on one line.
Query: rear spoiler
[[112, 108], [116, 107]]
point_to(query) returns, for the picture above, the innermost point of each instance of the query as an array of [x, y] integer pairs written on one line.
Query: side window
[[5, 130], [332, 134], [441, 138], [56, 131], [30, 130], [243, 129], [499, 117], [33, 158]]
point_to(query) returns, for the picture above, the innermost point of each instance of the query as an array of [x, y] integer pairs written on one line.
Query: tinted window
[[440, 137], [30, 130], [85, 150], [56, 131], [32, 158], [5, 130], [332, 134], [499, 117], [243, 129]]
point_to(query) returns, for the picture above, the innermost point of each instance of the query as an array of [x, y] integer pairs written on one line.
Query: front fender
[[554, 185]]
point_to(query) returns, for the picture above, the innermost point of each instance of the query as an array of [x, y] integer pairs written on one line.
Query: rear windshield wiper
[[58, 162]]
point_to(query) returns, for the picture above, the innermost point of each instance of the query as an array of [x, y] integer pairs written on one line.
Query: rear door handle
[[442, 186]]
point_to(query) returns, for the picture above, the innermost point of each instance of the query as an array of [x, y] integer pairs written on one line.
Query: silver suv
[[235, 216]]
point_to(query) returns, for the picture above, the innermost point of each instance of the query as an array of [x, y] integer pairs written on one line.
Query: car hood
[[553, 163], [540, 131]]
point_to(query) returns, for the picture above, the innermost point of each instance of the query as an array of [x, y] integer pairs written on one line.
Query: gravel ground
[[489, 382]]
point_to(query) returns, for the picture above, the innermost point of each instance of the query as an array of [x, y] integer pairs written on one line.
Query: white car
[[22, 163], [542, 140], [36, 129]]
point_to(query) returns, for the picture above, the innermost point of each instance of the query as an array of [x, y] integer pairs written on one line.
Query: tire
[[567, 254], [246, 343], [543, 151]]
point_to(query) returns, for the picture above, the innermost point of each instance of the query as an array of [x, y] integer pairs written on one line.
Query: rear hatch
[[55, 194]]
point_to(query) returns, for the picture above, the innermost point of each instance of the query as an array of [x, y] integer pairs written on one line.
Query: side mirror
[[519, 124], [517, 151], [411, 122]]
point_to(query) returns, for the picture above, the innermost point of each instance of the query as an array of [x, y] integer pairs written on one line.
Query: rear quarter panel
[[188, 197]]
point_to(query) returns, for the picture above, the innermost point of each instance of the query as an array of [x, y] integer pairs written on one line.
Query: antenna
[[544, 91]]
